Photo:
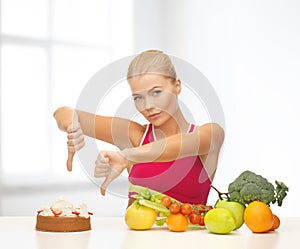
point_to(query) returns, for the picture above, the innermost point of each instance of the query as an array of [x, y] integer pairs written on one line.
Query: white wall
[[250, 52], [148, 24]]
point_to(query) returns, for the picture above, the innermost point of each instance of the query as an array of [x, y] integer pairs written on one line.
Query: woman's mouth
[[154, 115]]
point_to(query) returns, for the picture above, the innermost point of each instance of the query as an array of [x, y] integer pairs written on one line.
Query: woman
[[169, 154]]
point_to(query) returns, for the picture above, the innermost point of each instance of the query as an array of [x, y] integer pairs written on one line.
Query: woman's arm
[[121, 132], [206, 139]]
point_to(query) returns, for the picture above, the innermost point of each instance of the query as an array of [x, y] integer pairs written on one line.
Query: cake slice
[[63, 217]]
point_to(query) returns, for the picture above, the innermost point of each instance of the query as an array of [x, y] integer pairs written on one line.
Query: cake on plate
[[62, 216]]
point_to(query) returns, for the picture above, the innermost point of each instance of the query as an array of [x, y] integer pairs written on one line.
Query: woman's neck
[[174, 125]]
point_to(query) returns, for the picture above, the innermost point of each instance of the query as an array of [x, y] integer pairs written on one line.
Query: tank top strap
[[148, 135], [191, 128]]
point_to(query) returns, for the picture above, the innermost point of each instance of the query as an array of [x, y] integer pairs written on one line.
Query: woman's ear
[[178, 86]]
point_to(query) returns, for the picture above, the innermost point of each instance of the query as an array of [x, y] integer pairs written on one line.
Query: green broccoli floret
[[250, 187], [280, 190]]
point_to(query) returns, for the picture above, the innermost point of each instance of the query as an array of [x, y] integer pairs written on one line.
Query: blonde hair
[[152, 61]]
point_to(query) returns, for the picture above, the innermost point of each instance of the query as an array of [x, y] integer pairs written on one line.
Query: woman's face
[[155, 97]]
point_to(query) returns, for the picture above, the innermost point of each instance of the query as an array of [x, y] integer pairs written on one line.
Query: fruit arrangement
[[247, 201], [153, 207], [256, 193]]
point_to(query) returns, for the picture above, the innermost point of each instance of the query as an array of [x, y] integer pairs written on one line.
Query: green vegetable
[[145, 193], [280, 190], [154, 205], [160, 222], [250, 187]]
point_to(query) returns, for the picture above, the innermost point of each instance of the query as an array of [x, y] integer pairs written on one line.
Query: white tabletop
[[112, 233]]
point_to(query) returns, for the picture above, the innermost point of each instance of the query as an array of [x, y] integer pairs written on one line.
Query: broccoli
[[250, 187]]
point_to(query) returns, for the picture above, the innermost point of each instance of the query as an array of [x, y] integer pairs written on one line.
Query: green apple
[[219, 220], [236, 208]]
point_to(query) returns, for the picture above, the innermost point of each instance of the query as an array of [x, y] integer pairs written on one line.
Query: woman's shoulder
[[215, 130], [211, 125]]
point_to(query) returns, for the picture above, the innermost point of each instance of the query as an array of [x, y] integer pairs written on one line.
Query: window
[[49, 50]]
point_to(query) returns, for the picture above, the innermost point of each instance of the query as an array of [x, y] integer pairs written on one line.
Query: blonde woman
[[168, 154]]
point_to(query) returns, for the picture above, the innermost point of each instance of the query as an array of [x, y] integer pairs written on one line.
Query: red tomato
[[201, 220], [186, 208], [208, 208], [166, 201], [194, 218], [174, 208], [201, 208]]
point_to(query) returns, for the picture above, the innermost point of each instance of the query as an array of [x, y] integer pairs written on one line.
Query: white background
[[250, 52]]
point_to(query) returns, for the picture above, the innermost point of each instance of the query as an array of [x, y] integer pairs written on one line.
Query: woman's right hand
[[75, 140]]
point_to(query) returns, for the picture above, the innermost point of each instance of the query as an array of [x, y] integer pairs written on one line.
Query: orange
[[258, 217], [276, 223], [177, 222]]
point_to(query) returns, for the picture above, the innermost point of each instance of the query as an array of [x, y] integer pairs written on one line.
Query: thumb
[[104, 185], [112, 175], [70, 160], [104, 156]]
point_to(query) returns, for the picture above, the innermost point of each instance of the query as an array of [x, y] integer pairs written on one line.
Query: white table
[[112, 233]]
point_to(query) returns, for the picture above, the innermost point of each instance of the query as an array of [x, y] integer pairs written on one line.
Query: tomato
[[174, 208], [166, 201], [194, 218], [201, 220], [186, 208], [208, 208], [201, 208]]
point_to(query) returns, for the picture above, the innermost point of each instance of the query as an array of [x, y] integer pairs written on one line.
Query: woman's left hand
[[110, 164]]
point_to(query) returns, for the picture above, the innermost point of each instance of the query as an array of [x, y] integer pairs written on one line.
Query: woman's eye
[[137, 98], [156, 92]]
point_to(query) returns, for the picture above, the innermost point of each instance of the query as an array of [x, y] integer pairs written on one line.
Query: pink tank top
[[184, 179]]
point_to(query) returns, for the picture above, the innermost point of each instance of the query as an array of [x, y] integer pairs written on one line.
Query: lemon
[[139, 217]]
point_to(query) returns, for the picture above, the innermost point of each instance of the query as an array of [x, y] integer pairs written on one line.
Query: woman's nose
[[148, 104]]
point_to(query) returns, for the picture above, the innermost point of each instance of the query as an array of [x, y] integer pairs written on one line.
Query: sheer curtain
[[49, 50]]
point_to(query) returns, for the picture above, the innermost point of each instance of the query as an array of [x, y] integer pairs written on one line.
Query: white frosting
[[46, 212], [83, 211], [63, 207]]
